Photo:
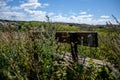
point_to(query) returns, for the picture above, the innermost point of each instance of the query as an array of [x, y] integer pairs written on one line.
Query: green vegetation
[[26, 58]]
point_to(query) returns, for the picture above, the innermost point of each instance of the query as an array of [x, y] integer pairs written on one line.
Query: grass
[[23, 58]]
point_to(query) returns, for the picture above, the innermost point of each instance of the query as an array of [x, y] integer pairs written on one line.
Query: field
[[26, 58]]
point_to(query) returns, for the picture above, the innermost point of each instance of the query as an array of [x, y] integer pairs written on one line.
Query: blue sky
[[73, 11]]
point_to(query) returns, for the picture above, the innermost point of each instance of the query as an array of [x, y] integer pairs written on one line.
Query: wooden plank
[[81, 38]]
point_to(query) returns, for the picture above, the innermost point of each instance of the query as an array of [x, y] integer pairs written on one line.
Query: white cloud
[[4, 6], [29, 11], [30, 5], [45, 5], [105, 17], [15, 8], [2, 3], [50, 14], [36, 15], [33, 1], [99, 21], [85, 16], [83, 13], [82, 19], [59, 18], [12, 15], [33, 4], [73, 19], [39, 16]]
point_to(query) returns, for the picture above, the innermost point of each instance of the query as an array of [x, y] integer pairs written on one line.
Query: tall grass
[[23, 56]]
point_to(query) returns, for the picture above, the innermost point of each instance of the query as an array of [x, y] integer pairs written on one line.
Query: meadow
[[25, 58]]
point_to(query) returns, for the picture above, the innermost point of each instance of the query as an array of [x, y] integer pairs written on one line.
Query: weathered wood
[[81, 38]]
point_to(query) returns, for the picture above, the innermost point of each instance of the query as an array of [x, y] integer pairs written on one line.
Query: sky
[[71, 11]]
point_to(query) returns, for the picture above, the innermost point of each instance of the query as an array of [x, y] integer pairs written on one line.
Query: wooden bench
[[77, 38]]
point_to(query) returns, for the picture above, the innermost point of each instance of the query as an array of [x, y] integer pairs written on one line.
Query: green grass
[[22, 58]]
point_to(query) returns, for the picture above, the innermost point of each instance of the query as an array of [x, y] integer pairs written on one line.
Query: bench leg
[[74, 52]]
